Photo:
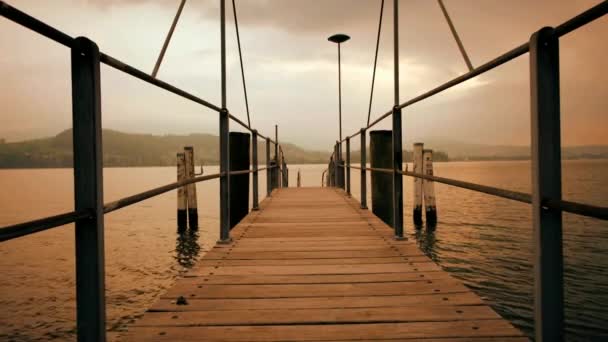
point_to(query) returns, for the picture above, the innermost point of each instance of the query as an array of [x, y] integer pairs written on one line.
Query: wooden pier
[[309, 266]]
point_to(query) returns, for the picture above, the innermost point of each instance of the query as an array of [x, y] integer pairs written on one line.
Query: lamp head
[[338, 38]]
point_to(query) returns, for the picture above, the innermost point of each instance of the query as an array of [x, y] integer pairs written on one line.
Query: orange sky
[[292, 72]]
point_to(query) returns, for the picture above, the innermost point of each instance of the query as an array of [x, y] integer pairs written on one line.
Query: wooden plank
[[320, 316], [194, 304], [327, 332], [316, 290], [315, 279]]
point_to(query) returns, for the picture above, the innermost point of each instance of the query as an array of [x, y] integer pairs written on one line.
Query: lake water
[[482, 240]]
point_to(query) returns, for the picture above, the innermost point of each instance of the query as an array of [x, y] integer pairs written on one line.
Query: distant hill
[[129, 149]]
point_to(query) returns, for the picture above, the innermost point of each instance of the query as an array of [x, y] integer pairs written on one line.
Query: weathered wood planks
[[312, 266]]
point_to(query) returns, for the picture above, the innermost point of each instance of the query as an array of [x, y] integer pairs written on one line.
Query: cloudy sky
[[291, 69]]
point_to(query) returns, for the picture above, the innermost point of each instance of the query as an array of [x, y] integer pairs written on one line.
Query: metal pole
[[546, 184], [396, 47], [88, 191], [224, 139], [339, 92], [363, 171], [268, 170], [168, 39], [348, 166], [254, 159], [397, 139]]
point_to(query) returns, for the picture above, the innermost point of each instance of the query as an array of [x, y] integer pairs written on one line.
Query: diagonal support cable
[[238, 41], [168, 39], [371, 95], [455, 34]]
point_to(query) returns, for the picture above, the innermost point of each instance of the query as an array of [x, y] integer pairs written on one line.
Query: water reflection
[[187, 248], [426, 238]]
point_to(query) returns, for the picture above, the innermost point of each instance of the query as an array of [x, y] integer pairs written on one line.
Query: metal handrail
[[38, 225]]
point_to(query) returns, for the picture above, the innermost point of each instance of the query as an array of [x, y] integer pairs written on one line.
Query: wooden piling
[[429, 189], [191, 188], [299, 179], [417, 168], [239, 184], [182, 201], [380, 146]]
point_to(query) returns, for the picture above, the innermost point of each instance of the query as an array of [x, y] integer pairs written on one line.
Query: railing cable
[[371, 94], [238, 42], [168, 39], [455, 34]]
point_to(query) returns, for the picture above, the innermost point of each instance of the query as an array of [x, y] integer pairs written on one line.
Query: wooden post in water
[[239, 184], [363, 171], [429, 189], [299, 179], [182, 200], [191, 188], [380, 146], [417, 162]]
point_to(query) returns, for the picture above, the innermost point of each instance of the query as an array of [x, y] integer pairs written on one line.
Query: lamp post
[[339, 39]]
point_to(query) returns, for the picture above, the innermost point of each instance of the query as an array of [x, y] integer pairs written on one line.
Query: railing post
[[397, 149], [397, 177], [363, 170], [268, 170], [546, 184], [254, 150], [336, 168], [348, 166], [88, 191], [224, 140]]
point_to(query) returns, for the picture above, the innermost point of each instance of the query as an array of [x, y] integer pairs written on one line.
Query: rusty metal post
[[363, 170], [88, 191], [254, 160], [546, 184], [268, 170], [348, 166]]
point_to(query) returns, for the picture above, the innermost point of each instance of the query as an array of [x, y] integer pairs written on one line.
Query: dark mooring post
[[88, 191], [348, 166], [182, 201], [239, 184], [268, 169], [380, 148], [363, 171], [254, 160], [546, 184]]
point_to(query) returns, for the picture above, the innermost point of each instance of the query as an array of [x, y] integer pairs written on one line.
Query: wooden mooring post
[[429, 189], [191, 188], [380, 146], [182, 200], [417, 166], [239, 184]]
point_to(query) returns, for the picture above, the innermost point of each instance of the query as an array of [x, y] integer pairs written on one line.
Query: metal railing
[[88, 215], [546, 196]]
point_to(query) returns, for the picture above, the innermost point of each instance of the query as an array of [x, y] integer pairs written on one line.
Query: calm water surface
[[482, 240]]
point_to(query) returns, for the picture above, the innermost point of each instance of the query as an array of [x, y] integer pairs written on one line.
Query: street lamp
[[339, 39]]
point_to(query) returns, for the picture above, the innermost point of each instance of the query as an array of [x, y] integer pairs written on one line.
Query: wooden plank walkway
[[312, 266]]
